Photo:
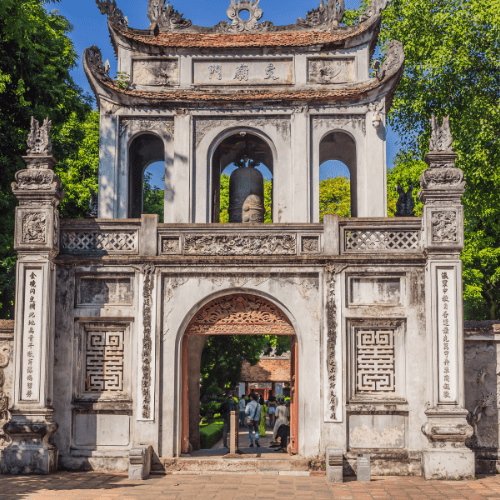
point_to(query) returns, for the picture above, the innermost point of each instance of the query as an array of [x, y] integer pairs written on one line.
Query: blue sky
[[90, 28]]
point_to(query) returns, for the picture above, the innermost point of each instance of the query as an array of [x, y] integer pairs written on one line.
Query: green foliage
[[78, 146], [335, 197], [153, 198], [268, 201], [122, 80], [36, 57], [452, 68], [210, 434]]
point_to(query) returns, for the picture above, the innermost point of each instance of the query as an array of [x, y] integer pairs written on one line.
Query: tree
[[335, 197], [153, 198], [453, 68], [36, 57]]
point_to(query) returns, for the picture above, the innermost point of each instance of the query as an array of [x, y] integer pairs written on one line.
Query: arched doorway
[[235, 146], [235, 314], [341, 148], [144, 150]]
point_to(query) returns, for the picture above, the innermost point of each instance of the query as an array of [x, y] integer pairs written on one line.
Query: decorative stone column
[[38, 190], [443, 232]]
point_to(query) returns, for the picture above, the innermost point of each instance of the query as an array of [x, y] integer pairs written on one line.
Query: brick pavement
[[102, 486]]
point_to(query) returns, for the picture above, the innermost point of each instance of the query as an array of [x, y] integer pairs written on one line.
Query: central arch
[[233, 314]]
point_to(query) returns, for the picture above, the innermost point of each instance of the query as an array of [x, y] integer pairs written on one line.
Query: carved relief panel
[[102, 361], [92, 291], [376, 360], [36, 228], [155, 72], [331, 70]]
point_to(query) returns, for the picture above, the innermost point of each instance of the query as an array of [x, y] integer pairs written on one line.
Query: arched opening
[[153, 193], [144, 150], [242, 151], [338, 175], [228, 316]]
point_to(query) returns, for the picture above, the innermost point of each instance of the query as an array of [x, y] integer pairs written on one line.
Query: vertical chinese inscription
[[447, 336], [30, 387]]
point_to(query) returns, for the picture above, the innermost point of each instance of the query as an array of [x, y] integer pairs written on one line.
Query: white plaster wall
[[299, 298]]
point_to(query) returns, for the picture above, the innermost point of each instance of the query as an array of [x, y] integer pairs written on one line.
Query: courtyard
[[106, 486]]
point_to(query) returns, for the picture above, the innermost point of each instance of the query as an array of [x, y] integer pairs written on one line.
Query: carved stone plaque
[[155, 72], [97, 291], [374, 291], [243, 72], [332, 70]]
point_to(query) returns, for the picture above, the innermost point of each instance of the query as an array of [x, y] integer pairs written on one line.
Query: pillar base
[[30, 451], [448, 464]]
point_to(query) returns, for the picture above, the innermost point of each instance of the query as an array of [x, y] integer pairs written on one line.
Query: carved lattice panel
[[93, 241], [375, 361], [104, 361], [367, 240]]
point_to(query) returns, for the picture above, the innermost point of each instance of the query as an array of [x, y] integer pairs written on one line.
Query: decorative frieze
[[131, 126], [98, 291], [171, 246], [310, 244], [155, 72], [240, 245], [240, 315], [444, 226], [203, 126], [369, 240], [76, 242], [340, 122]]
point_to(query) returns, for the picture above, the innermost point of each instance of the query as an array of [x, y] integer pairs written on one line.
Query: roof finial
[[441, 138], [39, 138]]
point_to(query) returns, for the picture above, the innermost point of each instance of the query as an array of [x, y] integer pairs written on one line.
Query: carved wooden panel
[[240, 315]]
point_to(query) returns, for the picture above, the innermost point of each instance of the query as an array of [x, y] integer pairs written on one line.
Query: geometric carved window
[[375, 366], [104, 360]]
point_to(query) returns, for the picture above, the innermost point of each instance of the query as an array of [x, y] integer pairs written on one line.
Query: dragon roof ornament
[[109, 8], [327, 15], [165, 17]]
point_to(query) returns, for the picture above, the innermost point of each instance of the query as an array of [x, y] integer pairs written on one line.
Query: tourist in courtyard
[[281, 419], [283, 434], [252, 412], [225, 410], [243, 405], [272, 410], [263, 411]]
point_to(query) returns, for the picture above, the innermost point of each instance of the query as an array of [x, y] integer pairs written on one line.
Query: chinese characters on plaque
[[31, 335], [447, 336]]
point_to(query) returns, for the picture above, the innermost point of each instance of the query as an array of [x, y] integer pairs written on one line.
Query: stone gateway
[[112, 311]]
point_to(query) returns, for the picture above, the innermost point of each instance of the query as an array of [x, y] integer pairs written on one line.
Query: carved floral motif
[[239, 25], [35, 179], [442, 178], [240, 245], [310, 244], [34, 228], [204, 126], [170, 246], [444, 226], [166, 126], [240, 314]]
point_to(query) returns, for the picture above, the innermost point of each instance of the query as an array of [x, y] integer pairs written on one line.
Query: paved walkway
[[100, 486]]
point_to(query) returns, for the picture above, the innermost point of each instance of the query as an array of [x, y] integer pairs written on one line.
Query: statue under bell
[[246, 195]]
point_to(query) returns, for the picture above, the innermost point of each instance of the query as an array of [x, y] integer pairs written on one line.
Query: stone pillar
[[300, 157], [443, 238], [37, 243]]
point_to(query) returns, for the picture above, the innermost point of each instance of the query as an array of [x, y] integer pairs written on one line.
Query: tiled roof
[[271, 39], [258, 95]]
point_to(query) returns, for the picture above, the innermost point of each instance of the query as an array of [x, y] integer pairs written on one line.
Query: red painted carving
[[240, 315]]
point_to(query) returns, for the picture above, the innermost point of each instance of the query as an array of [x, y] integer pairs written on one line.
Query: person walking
[[263, 411], [272, 410], [281, 419], [225, 410], [243, 405], [252, 412]]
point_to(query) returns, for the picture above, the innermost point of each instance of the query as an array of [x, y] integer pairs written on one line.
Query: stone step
[[294, 466]]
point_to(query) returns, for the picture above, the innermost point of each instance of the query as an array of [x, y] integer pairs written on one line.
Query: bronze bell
[[246, 194]]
